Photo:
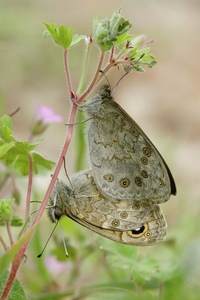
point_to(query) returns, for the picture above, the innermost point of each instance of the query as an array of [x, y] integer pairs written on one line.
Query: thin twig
[[9, 233], [30, 182], [66, 65], [5, 247], [82, 97]]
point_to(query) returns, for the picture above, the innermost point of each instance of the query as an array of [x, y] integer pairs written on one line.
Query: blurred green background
[[165, 101]]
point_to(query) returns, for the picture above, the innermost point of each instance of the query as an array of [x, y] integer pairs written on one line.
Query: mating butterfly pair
[[119, 197]]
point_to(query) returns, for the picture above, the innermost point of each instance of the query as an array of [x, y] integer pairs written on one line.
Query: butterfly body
[[125, 163]]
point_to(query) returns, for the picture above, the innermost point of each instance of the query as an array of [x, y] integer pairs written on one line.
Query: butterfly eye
[[146, 151], [54, 214], [124, 182], [161, 183], [144, 174], [135, 206], [144, 160], [57, 214], [138, 181], [148, 234], [138, 232], [108, 177], [115, 223], [123, 214]]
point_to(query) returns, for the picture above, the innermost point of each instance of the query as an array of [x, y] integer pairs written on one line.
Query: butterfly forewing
[[125, 163]]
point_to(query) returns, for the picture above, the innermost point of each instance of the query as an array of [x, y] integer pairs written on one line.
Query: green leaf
[[106, 32], [123, 39], [17, 153], [77, 39], [6, 210], [5, 148], [15, 222], [6, 130], [17, 290], [18, 156], [7, 258], [62, 35], [138, 41], [7, 122], [139, 57], [39, 160]]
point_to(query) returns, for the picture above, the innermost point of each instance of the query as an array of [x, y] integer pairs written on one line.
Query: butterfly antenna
[[65, 168], [105, 77], [39, 255], [78, 123], [64, 243], [113, 90]]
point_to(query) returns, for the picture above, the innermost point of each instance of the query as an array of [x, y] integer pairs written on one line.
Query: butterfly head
[[58, 201], [96, 106]]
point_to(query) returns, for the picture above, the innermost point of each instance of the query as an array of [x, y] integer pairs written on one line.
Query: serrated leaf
[[39, 160], [5, 148], [5, 131], [65, 36], [6, 208], [106, 32], [19, 156], [77, 39], [17, 290], [46, 34], [138, 41], [118, 25], [16, 222], [7, 121], [62, 35], [152, 64], [6, 259], [122, 39]]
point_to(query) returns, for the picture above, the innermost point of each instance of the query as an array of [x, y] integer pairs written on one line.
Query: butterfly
[[124, 162], [131, 223]]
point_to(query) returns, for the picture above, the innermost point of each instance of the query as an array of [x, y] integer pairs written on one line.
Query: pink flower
[[56, 267], [44, 117]]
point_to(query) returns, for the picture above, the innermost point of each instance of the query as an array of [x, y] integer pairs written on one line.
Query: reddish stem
[[9, 233], [111, 55], [58, 166], [94, 79], [5, 247], [14, 268], [67, 72]]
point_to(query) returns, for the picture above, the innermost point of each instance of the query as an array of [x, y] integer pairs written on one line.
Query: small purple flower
[[44, 117], [56, 267]]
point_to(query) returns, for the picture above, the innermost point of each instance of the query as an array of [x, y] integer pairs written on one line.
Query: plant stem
[[85, 68], [15, 266], [59, 164], [9, 233], [5, 247], [95, 79], [66, 66], [30, 182]]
